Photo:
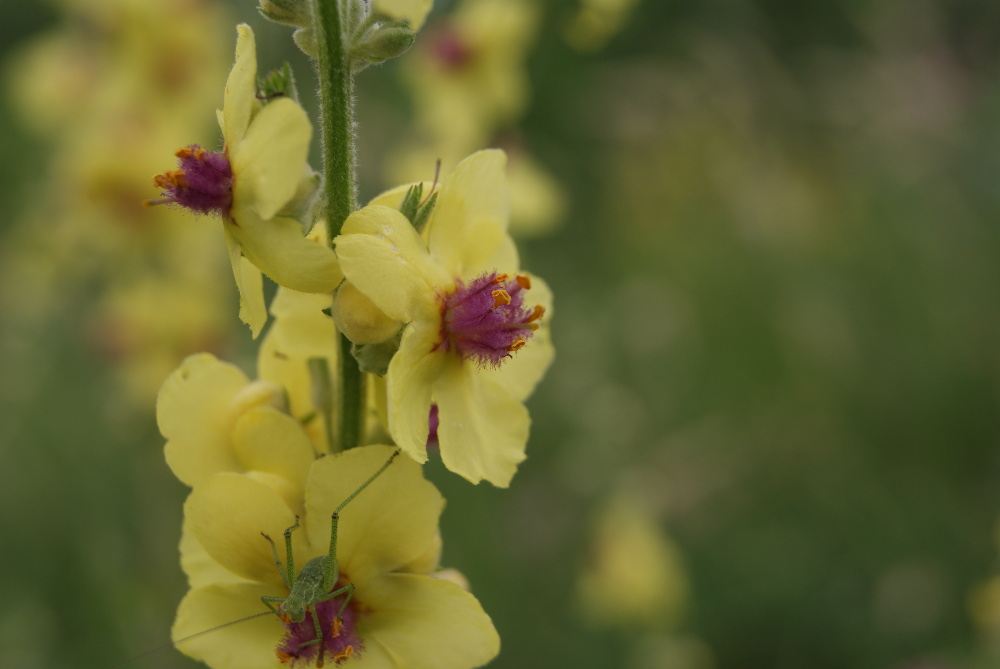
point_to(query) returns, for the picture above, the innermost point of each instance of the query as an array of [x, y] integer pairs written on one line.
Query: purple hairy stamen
[[203, 184], [486, 319]]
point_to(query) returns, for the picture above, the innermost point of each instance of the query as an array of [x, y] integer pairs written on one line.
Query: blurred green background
[[777, 315]]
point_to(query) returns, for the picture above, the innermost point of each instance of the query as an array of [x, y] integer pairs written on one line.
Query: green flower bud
[[288, 12], [388, 40]]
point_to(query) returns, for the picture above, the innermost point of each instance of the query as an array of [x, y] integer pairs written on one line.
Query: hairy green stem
[[339, 186]]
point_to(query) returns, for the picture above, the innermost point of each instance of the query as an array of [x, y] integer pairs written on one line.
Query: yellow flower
[[412, 12], [469, 78], [456, 376], [256, 180], [400, 614], [634, 575], [216, 420]]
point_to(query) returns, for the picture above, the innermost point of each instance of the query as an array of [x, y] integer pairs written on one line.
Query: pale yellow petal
[[412, 371], [268, 162], [249, 284], [192, 411], [520, 373], [412, 12], [226, 514], [248, 645], [420, 622], [241, 88], [268, 440], [471, 216], [483, 428], [278, 248], [199, 566], [381, 253], [390, 524]]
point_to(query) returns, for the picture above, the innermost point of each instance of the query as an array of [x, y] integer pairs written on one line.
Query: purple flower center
[[340, 637], [448, 48], [203, 184], [486, 320]]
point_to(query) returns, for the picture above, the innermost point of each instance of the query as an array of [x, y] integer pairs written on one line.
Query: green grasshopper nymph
[[312, 592]]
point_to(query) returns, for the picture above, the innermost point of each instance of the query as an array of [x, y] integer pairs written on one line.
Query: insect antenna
[[189, 637]]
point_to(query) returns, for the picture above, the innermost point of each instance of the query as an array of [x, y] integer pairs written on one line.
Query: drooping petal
[[268, 161], [420, 622], [226, 514], [525, 368], [278, 248], [241, 88], [248, 645], [483, 428], [383, 256], [470, 219], [192, 411], [249, 284], [390, 524], [411, 373], [268, 440]]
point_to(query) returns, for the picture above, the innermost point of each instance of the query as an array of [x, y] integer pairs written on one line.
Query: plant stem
[[339, 186]]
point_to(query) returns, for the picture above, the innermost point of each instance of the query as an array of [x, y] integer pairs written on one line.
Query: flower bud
[[289, 12], [359, 319], [389, 40]]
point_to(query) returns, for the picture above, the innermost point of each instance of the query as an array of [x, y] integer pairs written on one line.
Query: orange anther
[[199, 153], [344, 654], [283, 657], [523, 280], [517, 344], [183, 152], [536, 313], [336, 626], [500, 297], [500, 278]]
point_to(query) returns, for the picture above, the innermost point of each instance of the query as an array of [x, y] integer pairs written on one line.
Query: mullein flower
[[253, 184], [472, 349], [401, 614]]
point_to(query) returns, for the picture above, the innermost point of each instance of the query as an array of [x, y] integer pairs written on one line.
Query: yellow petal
[[249, 283], [483, 428], [267, 164], [412, 11], [241, 88], [412, 371], [248, 645], [199, 566], [278, 248], [381, 253], [426, 623], [520, 373], [391, 523], [268, 440], [192, 411], [226, 514], [470, 219]]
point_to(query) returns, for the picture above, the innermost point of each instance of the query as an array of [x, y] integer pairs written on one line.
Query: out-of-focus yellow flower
[[597, 21], [537, 200], [456, 376], [256, 180], [634, 575], [412, 12], [400, 615], [468, 75]]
